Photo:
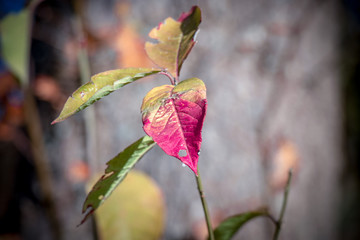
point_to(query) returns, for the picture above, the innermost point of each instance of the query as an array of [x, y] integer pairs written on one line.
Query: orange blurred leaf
[[285, 158], [47, 89], [78, 172], [130, 48]]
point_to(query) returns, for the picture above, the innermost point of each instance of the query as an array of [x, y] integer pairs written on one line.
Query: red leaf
[[173, 116]]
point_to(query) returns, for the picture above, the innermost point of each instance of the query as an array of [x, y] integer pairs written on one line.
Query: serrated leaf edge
[[146, 143]]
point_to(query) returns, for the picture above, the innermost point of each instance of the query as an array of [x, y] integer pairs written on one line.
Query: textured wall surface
[[272, 77]]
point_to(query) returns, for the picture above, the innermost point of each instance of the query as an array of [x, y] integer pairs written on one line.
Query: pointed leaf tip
[[195, 10], [231, 225], [101, 84], [117, 169], [173, 116]]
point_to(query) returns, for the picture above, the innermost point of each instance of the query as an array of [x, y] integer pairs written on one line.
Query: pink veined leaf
[[173, 116]]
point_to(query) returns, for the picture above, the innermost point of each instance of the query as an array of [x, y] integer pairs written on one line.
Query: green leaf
[[175, 40], [101, 85], [136, 210], [227, 228], [117, 169], [15, 43]]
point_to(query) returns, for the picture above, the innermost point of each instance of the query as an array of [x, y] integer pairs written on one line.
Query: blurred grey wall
[[272, 75]]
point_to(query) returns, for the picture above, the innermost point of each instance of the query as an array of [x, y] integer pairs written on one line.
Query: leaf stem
[[166, 73], [278, 223], [204, 205], [176, 80]]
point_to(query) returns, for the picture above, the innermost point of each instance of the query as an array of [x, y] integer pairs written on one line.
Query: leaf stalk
[[204, 205], [172, 79]]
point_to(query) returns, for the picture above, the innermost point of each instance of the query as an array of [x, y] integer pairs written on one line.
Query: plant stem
[[85, 76], [283, 207], [34, 129], [41, 163], [172, 80], [205, 207]]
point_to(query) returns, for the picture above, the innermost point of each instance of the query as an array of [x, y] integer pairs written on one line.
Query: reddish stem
[[172, 79]]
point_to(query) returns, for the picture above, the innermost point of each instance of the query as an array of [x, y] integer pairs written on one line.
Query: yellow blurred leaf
[[15, 32], [134, 211]]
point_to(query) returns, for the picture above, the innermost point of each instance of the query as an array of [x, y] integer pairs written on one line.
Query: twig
[[40, 161], [278, 223], [85, 75], [280, 83], [32, 122], [204, 205]]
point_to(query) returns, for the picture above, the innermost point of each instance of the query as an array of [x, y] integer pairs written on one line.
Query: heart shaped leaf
[[117, 169], [173, 116], [228, 228], [101, 84], [175, 40]]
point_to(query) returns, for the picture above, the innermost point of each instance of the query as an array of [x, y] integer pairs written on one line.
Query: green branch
[[204, 205], [279, 222]]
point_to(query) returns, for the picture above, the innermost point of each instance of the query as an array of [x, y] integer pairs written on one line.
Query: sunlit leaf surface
[[101, 85], [117, 169], [173, 116], [175, 40], [135, 210]]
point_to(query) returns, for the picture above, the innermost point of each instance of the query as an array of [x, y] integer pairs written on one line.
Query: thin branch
[[205, 207], [33, 126], [41, 162], [283, 207], [274, 221], [280, 83], [85, 75]]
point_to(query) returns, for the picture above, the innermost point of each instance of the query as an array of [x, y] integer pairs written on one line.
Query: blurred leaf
[[78, 171], [135, 211], [47, 89], [101, 85], [15, 43], [175, 40], [228, 228], [117, 169], [130, 48], [174, 115], [286, 158]]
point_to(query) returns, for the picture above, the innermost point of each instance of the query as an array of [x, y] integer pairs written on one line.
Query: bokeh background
[[283, 92]]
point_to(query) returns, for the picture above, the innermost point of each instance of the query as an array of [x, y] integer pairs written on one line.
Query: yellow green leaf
[[117, 169], [15, 43], [175, 40], [101, 84], [135, 211]]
